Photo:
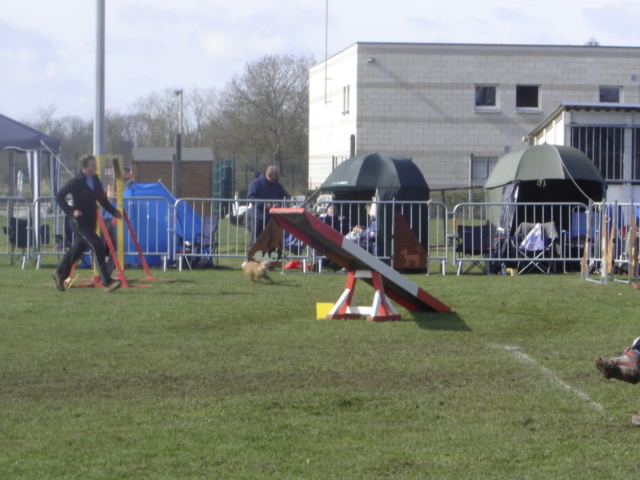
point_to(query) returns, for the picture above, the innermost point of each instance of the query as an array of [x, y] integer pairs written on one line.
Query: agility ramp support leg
[[346, 308]]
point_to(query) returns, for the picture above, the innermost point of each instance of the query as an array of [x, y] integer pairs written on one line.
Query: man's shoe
[[115, 284], [59, 281], [625, 367]]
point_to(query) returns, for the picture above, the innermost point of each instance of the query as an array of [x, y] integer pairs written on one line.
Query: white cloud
[[158, 44], [615, 21], [217, 46]]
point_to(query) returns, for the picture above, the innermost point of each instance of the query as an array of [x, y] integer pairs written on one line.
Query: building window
[[603, 145], [610, 94], [480, 168], [527, 97], [345, 100], [486, 97]]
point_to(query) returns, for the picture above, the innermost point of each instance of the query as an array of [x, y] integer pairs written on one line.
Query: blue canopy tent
[[150, 207]]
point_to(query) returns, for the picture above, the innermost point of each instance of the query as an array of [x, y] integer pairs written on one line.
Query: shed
[[152, 164]]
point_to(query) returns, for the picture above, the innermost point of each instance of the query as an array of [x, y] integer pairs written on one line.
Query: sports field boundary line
[[551, 375]]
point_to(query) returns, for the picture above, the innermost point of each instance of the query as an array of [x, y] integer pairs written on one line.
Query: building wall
[[417, 100], [330, 128], [557, 130], [196, 177]]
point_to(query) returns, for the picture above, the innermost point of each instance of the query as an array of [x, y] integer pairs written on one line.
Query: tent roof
[[375, 171], [545, 161], [17, 136]]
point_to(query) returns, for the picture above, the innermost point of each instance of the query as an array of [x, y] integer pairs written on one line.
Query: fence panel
[[16, 238], [407, 235], [207, 229], [54, 235], [519, 237], [613, 242], [439, 235], [487, 237]]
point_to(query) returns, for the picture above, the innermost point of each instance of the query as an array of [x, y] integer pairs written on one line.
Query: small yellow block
[[322, 310]]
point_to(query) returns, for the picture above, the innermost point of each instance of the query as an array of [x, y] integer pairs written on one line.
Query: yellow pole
[[117, 171]]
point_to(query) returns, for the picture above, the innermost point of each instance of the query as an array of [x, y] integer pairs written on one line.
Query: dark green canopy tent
[[541, 174], [384, 177]]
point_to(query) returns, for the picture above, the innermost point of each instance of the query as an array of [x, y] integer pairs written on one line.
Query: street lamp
[[176, 177], [180, 92]]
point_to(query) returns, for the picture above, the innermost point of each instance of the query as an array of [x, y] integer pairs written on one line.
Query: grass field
[[212, 377]]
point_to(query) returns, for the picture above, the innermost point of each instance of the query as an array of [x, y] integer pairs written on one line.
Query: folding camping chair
[[204, 244], [322, 203], [536, 244], [473, 244], [297, 201]]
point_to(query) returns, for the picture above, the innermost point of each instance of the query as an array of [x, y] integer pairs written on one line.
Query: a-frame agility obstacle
[[359, 263]]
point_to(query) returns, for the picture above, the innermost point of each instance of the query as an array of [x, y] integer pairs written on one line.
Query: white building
[[453, 108], [609, 133]]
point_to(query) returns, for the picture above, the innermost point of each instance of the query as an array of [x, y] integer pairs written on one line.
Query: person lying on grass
[[625, 367]]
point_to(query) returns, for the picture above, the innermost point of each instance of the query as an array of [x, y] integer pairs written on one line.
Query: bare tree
[[200, 113], [260, 117], [266, 109], [160, 115], [42, 119]]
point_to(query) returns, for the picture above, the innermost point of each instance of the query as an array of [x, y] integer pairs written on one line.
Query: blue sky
[[48, 48]]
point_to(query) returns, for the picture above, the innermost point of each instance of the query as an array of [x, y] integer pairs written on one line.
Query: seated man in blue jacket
[[265, 187]]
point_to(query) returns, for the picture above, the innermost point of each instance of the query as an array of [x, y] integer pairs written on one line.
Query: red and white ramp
[[321, 237]]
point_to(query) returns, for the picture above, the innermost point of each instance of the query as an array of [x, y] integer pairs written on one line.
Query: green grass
[[213, 377]]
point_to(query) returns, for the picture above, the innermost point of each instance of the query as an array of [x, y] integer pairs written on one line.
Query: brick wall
[[197, 177]]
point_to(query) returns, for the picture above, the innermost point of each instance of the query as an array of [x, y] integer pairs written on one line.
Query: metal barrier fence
[[17, 236], [53, 238], [207, 230], [485, 237], [612, 244], [438, 235], [517, 237]]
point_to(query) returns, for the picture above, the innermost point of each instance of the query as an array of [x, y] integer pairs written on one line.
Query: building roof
[[156, 154], [588, 49], [585, 106]]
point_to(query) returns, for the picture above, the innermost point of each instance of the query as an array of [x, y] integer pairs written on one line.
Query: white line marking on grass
[[517, 351]]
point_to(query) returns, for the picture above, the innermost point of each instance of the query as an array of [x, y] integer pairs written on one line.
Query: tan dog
[[257, 270]]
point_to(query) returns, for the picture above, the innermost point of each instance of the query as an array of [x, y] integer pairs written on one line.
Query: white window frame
[[536, 109], [346, 99], [610, 87], [486, 108]]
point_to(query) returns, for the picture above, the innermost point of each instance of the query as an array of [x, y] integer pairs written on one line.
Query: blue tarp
[[150, 207]]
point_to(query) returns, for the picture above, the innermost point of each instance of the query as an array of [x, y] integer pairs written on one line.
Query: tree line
[[259, 117]]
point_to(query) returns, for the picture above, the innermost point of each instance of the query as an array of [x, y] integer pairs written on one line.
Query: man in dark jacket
[[85, 189], [265, 187]]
